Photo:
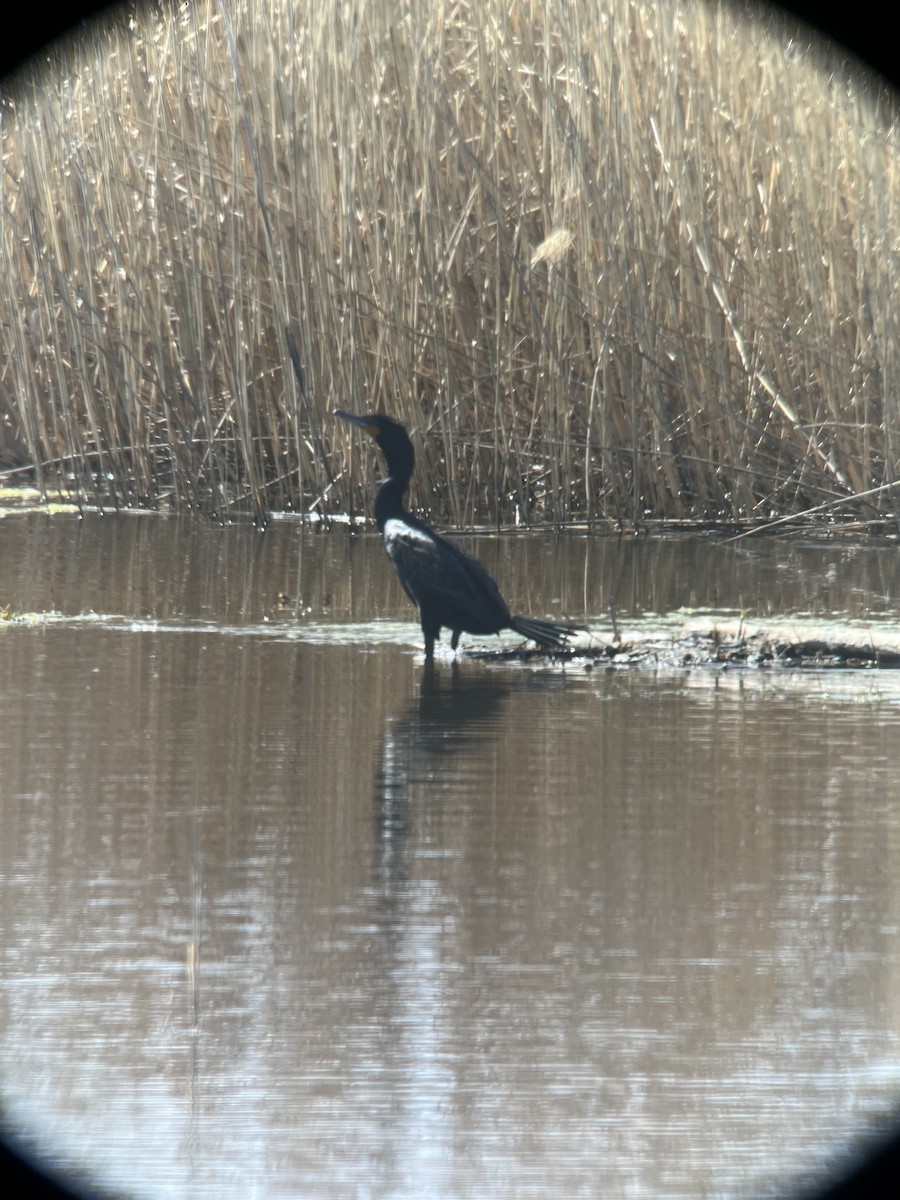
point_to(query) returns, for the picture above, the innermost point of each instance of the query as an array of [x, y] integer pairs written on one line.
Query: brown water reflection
[[285, 914]]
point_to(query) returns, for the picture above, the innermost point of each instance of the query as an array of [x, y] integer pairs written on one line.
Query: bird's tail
[[549, 634]]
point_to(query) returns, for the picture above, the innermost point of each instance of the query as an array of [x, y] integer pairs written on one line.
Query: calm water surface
[[283, 913]]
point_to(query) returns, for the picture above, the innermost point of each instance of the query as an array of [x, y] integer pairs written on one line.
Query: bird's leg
[[454, 641], [429, 634]]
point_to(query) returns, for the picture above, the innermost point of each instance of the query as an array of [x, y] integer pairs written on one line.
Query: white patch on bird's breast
[[398, 531]]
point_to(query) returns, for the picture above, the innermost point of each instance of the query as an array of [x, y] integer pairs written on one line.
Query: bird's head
[[376, 425], [389, 436]]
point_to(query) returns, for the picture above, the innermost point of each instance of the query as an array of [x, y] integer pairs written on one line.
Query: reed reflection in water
[[297, 917]]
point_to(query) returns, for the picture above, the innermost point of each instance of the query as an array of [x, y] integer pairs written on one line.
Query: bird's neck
[[389, 501]]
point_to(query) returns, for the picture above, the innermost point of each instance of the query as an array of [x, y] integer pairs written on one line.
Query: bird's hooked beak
[[364, 422]]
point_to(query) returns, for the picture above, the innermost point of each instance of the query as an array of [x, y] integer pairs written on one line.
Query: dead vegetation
[[617, 262], [706, 648]]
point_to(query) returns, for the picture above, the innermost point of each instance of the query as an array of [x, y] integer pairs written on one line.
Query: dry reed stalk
[[609, 262]]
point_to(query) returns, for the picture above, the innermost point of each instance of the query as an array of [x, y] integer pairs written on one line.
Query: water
[[285, 913]]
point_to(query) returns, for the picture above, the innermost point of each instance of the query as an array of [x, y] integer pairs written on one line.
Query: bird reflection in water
[[451, 713]]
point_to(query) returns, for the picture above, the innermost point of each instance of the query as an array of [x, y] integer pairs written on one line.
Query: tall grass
[[610, 260]]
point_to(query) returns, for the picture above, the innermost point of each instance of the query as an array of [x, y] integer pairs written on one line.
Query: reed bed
[[611, 261]]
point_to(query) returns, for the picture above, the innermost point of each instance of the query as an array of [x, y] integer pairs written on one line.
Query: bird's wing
[[435, 571]]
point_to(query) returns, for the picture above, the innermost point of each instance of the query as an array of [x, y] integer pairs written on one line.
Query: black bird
[[449, 587]]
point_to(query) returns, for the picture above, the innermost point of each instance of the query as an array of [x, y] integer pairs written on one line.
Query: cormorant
[[449, 587]]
